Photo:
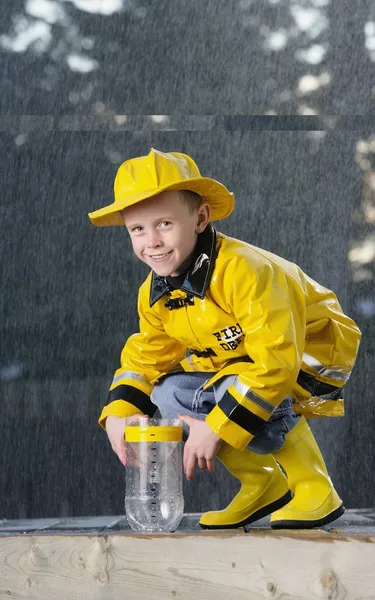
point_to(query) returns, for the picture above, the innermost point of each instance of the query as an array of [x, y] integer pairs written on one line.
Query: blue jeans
[[183, 393]]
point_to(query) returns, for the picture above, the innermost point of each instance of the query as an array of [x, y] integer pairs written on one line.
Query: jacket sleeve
[[270, 307], [145, 357]]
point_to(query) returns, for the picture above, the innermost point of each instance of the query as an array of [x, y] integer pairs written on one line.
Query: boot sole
[[259, 514], [286, 524]]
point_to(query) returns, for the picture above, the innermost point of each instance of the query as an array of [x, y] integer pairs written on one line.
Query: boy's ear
[[203, 217]]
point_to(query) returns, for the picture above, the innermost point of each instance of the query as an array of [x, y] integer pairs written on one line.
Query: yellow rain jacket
[[240, 310]]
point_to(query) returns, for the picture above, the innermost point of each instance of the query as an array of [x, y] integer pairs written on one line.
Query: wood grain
[[217, 566]]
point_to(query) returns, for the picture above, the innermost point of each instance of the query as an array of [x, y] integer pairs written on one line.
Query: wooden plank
[[208, 566]]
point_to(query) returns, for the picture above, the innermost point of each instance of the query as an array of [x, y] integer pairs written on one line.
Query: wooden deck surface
[[101, 558]]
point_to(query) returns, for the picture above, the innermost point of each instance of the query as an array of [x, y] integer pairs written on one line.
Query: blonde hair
[[192, 199]]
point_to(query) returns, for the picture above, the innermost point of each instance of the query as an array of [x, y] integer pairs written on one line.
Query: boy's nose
[[153, 240]]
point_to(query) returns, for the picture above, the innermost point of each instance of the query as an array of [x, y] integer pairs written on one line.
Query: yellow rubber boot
[[264, 489], [315, 501]]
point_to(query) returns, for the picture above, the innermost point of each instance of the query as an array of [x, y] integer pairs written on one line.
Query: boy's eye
[[136, 229], [164, 223]]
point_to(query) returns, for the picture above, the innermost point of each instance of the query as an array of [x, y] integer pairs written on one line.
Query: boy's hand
[[202, 446], [115, 428]]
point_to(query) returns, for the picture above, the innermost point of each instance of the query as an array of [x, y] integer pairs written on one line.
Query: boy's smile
[[164, 230]]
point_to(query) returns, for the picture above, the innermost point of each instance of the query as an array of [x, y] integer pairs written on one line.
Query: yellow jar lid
[[153, 433]]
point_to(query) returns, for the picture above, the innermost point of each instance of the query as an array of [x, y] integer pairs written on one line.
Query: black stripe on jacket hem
[[134, 396], [240, 415]]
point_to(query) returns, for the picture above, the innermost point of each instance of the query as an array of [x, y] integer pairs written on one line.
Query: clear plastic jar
[[154, 498]]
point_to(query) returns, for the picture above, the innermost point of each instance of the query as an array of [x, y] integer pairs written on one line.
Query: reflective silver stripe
[[258, 400], [191, 362], [335, 374], [129, 375], [332, 373]]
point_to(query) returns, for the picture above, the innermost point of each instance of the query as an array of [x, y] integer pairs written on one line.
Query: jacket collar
[[198, 276]]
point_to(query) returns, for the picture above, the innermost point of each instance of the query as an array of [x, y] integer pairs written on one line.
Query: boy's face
[[163, 231]]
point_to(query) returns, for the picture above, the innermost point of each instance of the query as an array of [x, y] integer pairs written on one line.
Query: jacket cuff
[[118, 408], [228, 430]]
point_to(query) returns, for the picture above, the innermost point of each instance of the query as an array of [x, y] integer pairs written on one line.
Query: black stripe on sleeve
[[331, 391], [318, 388], [306, 381], [133, 396], [240, 415]]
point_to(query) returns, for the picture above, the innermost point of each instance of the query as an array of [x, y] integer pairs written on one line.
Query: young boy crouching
[[239, 343]]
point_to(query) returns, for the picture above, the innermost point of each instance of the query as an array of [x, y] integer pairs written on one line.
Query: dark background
[[301, 165]]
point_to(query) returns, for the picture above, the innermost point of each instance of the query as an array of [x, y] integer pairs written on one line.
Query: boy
[[237, 342]]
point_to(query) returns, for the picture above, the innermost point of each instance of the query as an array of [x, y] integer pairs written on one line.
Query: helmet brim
[[214, 193]]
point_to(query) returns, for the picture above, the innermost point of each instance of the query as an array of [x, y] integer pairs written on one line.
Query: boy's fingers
[[189, 464], [210, 464], [122, 458], [202, 463], [120, 451], [185, 418], [135, 417]]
